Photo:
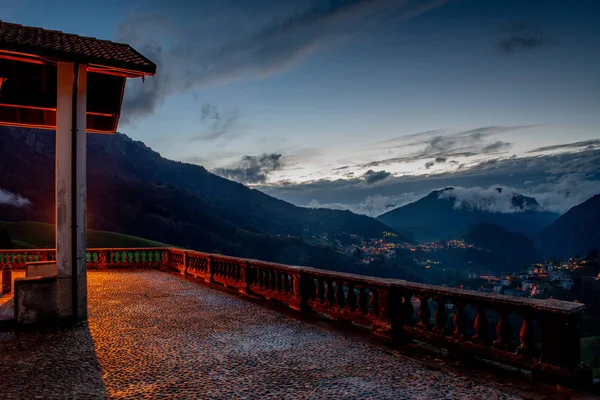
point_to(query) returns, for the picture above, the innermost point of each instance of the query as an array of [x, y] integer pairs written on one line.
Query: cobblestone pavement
[[156, 335]]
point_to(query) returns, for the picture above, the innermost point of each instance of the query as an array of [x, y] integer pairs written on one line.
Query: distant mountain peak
[[447, 211], [494, 200]]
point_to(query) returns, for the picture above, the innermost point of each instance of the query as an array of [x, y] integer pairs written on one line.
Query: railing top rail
[[128, 249], [350, 277], [552, 305], [23, 250]]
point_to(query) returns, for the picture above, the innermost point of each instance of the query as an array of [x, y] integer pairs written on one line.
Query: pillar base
[[47, 301]]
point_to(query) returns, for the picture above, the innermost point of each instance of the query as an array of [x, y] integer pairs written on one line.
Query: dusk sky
[[361, 104]]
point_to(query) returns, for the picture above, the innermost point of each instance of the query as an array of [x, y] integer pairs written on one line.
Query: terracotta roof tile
[[69, 47]]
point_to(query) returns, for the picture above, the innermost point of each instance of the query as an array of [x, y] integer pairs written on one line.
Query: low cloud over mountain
[[493, 199], [12, 199], [252, 169]]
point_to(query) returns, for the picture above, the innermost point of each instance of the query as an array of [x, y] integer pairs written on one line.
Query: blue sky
[[284, 94]]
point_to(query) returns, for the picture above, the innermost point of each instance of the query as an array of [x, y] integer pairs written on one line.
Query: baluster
[[351, 297], [372, 303], [104, 256], [321, 289], [424, 313], [313, 284], [273, 281], [526, 334], [480, 325], [329, 293], [267, 278], [286, 282], [503, 330], [278, 281], [339, 294], [441, 315], [361, 300], [258, 277], [460, 320], [407, 309], [382, 298], [264, 278]]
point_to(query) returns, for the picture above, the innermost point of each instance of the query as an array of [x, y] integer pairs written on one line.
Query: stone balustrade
[[541, 336], [19, 257]]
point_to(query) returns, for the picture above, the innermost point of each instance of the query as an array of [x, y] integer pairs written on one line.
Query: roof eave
[[49, 55]]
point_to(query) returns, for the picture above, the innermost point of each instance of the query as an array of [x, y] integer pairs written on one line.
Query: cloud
[[557, 181], [561, 193], [424, 134], [11, 199], [438, 160], [496, 147], [240, 44], [521, 38], [372, 206], [252, 169], [495, 199], [466, 143], [216, 123], [375, 176], [587, 144]]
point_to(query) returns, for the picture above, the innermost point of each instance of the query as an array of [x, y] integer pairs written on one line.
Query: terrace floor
[[153, 334]]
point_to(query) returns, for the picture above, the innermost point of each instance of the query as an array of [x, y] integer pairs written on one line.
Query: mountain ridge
[[441, 214], [575, 232]]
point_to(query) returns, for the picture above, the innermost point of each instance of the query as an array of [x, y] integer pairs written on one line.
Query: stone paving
[[156, 335]]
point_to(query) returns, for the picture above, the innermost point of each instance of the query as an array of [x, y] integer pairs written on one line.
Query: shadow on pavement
[[50, 364]]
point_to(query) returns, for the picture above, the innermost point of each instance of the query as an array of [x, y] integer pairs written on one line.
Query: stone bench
[[35, 295], [35, 300]]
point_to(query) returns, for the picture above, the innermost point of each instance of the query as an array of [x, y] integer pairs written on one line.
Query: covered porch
[[72, 85]]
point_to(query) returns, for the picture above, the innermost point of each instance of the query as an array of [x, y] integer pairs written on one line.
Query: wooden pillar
[[71, 191]]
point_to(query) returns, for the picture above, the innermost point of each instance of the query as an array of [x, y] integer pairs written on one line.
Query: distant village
[[538, 280], [535, 281], [370, 249]]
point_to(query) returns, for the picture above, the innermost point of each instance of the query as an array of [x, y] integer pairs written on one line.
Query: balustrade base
[[579, 377], [382, 329]]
